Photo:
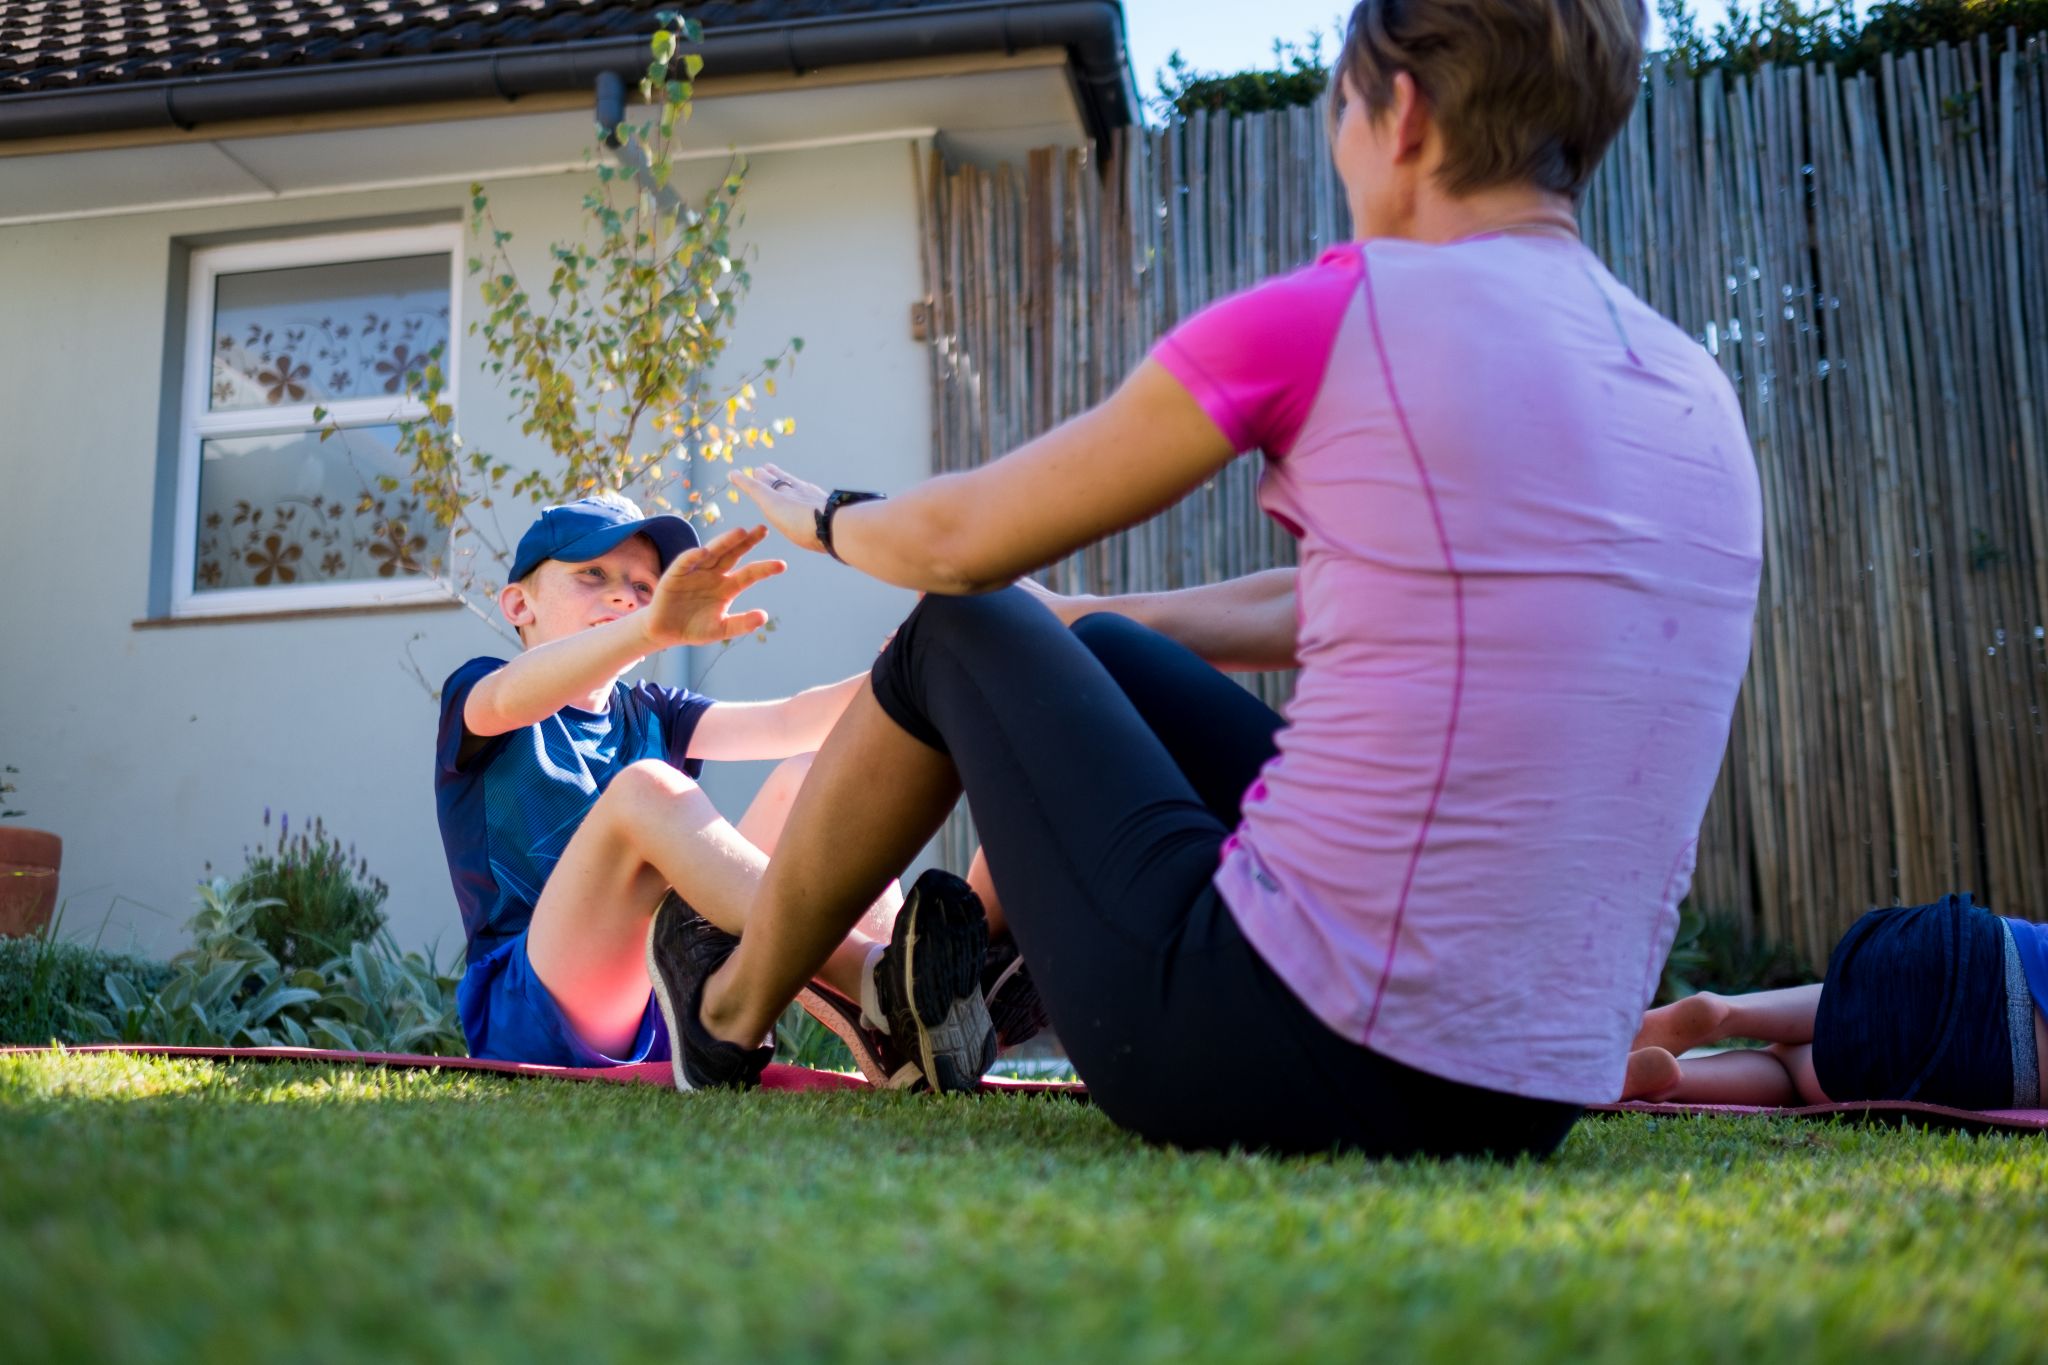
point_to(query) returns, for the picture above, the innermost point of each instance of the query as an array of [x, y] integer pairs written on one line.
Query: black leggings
[[1104, 767]]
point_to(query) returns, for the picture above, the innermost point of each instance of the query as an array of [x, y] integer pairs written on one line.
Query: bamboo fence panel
[[1867, 260]]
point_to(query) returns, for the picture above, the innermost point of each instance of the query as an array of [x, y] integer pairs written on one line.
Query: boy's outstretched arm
[[732, 731], [688, 607]]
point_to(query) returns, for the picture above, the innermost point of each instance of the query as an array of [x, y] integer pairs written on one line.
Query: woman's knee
[[1106, 631], [937, 613]]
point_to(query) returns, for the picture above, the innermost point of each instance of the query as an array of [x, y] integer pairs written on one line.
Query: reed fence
[[1867, 258]]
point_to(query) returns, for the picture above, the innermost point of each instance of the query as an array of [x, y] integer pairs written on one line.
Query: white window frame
[[197, 423]]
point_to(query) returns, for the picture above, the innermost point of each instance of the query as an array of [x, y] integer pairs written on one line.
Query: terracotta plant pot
[[28, 878]]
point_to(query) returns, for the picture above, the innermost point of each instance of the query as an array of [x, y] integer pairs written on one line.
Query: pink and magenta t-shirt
[[1530, 537]]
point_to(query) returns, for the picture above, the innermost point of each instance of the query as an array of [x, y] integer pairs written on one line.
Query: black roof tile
[[55, 45]]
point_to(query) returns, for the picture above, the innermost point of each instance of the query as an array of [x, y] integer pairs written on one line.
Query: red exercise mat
[[777, 1076], [1891, 1112], [793, 1078]]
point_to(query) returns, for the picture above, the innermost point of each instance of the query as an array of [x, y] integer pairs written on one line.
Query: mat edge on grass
[[779, 1077]]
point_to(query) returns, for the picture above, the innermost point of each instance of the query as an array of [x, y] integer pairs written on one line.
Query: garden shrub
[[1714, 951], [229, 990], [315, 899], [42, 981]]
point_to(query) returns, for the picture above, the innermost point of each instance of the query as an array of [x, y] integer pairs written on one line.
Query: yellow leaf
[[732, 495]]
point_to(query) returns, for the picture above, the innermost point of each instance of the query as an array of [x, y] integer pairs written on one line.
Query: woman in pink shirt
[[1424, 912]]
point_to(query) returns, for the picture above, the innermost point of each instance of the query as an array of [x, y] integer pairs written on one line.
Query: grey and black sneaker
[[1014, 1005], [683, 949], [928, 983]]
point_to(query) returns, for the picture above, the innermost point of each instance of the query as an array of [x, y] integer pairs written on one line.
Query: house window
[[270, 516]]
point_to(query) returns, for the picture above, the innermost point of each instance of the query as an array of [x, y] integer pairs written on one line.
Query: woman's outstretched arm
[[1136, 453]]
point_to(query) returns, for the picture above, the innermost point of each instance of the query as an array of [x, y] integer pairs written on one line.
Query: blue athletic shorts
[[508, 1016]]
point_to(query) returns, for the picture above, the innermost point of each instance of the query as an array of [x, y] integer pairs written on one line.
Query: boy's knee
[[647, 786], [794, 769]]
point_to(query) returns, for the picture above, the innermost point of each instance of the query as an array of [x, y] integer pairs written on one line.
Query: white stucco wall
[[154, 752]]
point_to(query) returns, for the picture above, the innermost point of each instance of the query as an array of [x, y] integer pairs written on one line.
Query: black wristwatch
[[840, 498]]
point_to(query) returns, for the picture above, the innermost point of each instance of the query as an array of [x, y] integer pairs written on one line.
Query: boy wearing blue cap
[[583, 852]]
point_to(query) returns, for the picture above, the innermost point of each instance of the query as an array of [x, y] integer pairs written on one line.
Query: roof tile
[[54, 45]]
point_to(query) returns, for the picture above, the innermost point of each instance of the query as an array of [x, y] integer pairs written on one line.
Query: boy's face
[[560, 599]]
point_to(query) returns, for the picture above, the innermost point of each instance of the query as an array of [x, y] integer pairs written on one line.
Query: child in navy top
[[1944, 1003], [567, 797]]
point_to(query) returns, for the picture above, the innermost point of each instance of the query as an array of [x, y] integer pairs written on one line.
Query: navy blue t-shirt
[[508, 812]]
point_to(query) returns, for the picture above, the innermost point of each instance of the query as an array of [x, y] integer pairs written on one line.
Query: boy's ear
[[516, 601]]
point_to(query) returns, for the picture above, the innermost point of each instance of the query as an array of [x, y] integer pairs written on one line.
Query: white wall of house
[[154, 750]]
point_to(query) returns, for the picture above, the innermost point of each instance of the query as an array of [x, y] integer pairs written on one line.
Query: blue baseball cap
[[583, 530]]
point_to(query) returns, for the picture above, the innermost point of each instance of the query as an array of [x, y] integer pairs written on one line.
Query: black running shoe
[[928, 983], [683, 949], [1014, 1004]]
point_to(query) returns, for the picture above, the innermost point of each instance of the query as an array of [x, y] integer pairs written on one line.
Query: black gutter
[[1091, 31]]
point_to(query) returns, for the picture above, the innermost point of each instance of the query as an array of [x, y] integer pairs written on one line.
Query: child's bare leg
[[1749, 1076], [653, 829], [761, 826], [1652, 1074], [1798, 1062], [1783, 1016], [847, 836], [985, 887]]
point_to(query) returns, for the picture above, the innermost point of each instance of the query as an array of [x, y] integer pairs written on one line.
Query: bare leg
[[1784, 1016], [762, 827], [1751, 1076], [653, 829], [1798, 1060], [847, 836], [984, 885], [1652, 1074]]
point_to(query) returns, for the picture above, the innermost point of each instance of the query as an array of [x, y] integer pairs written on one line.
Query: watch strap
[[840, 497]]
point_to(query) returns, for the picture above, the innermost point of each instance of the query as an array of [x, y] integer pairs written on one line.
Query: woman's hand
[[689, 603], [791, 504]]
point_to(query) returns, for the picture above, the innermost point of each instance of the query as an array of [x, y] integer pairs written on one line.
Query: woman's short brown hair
[[1523, 90]]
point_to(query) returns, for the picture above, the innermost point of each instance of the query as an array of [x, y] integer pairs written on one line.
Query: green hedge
[[38, 979]]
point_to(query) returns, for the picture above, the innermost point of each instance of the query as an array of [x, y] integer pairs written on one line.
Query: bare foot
[[1685, 1024], [1652, 1074]]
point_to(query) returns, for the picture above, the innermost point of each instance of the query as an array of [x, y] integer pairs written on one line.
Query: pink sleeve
[[1255, 361]]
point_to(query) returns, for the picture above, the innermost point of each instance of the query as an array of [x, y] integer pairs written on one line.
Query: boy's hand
[[689, 603]]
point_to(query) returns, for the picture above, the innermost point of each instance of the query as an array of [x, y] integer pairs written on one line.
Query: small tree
[[610, 362]]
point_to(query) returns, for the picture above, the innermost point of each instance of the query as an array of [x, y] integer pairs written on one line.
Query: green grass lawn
[[164, 1210]]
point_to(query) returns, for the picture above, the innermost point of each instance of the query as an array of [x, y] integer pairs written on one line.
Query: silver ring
[[779, 484]]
